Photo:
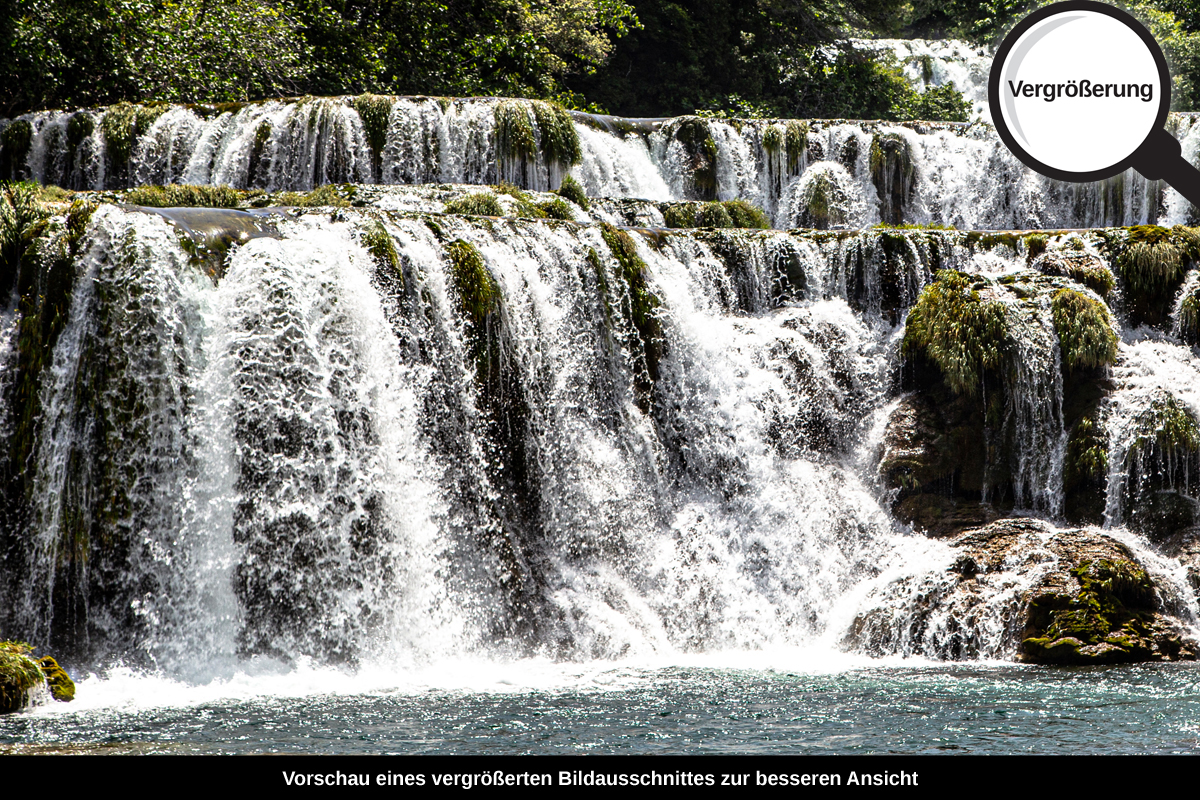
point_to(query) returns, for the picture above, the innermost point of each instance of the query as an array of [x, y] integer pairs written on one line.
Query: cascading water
[[944, 174], [387, 436]]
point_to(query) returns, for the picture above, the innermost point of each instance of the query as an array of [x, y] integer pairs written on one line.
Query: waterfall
[[946, 174]]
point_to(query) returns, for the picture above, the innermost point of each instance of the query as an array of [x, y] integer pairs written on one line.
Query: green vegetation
[[893, 172], [729, 214], [1087, 454], [789, 138], [573, 191], [641, 309], [1109, 620], [1167, 429], [1152, 261], [744, 214], [1189, 317], [19, 673], [374, 110], [958, 330], [523, 127], [1084, 329], [184, 195], [556, 208], [701, 152], [330, 195], [478, 293], [14, 148], [383, 251], [476, 204], [61, 687], [122, 124]]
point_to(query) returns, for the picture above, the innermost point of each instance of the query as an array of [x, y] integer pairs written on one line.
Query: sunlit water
[[746, 704]]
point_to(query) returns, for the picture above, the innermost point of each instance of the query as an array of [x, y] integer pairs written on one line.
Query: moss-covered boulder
[[1055, 596], [894, 174], [1151, 262], [21, 673], [700, 155], [1162, 470]]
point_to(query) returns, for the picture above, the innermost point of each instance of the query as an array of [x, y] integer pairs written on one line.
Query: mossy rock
[[185, 196], [476, 204], [964, 334], [1151, 262], [61, 687], [572, 190], [1085, 330], [526, 127], [1085, 472], [700, 151], [789, 139], [15, 141], [894, 174], [640, 306], [375, 111], [20, 674], [1111, 618], [1162, 468]]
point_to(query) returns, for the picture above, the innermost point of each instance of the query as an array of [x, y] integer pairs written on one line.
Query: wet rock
[[1058, 596]]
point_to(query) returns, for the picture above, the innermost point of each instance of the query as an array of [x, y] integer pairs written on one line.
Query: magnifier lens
[[1080, 91]]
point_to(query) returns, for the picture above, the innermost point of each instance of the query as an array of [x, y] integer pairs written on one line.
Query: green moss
[[1035, 245], [958, 330], [1152, 261], [642, 310], [1087, 453], [22, 220], [19, 674], [79, 127], [515, 136], [62, 688], [476, 204], [1084, 329], [894, 172], [1107, 621], [123, 123], [478, 293], [573, 191], [1189, 317], [744, 214], [375, 111], [556, 208], [330, 195], [1165, 428], [822, 202], [383, 251], [680, 215], [262, 135], [559, 140], [184, 195], [713, 215], [700, 150], [789, 138], [14, 148]]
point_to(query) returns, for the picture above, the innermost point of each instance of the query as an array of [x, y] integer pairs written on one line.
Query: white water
[[964, 176]]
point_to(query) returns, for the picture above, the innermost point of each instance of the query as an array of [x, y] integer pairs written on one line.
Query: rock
[[61, 687], [19, 676], [1059, 596]]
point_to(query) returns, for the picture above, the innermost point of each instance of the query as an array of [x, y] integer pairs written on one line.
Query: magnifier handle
[[1161, 158]]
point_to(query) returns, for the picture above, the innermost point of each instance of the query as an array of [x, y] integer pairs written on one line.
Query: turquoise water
[[616, 709]]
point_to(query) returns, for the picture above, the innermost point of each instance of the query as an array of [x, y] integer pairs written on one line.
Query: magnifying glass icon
[[1079, 91]]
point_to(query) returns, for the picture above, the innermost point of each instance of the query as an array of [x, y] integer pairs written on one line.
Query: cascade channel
[[377, 431]]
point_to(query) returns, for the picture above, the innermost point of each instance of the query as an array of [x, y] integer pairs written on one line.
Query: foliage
[[958, 330], [1152, 261], [573, 191], [476, 204], [18, 674], [727, 214], [22, 218], [184, 195], [1166, 428], [1084, 329], [556, 208], [478, 293], [76, 53]]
